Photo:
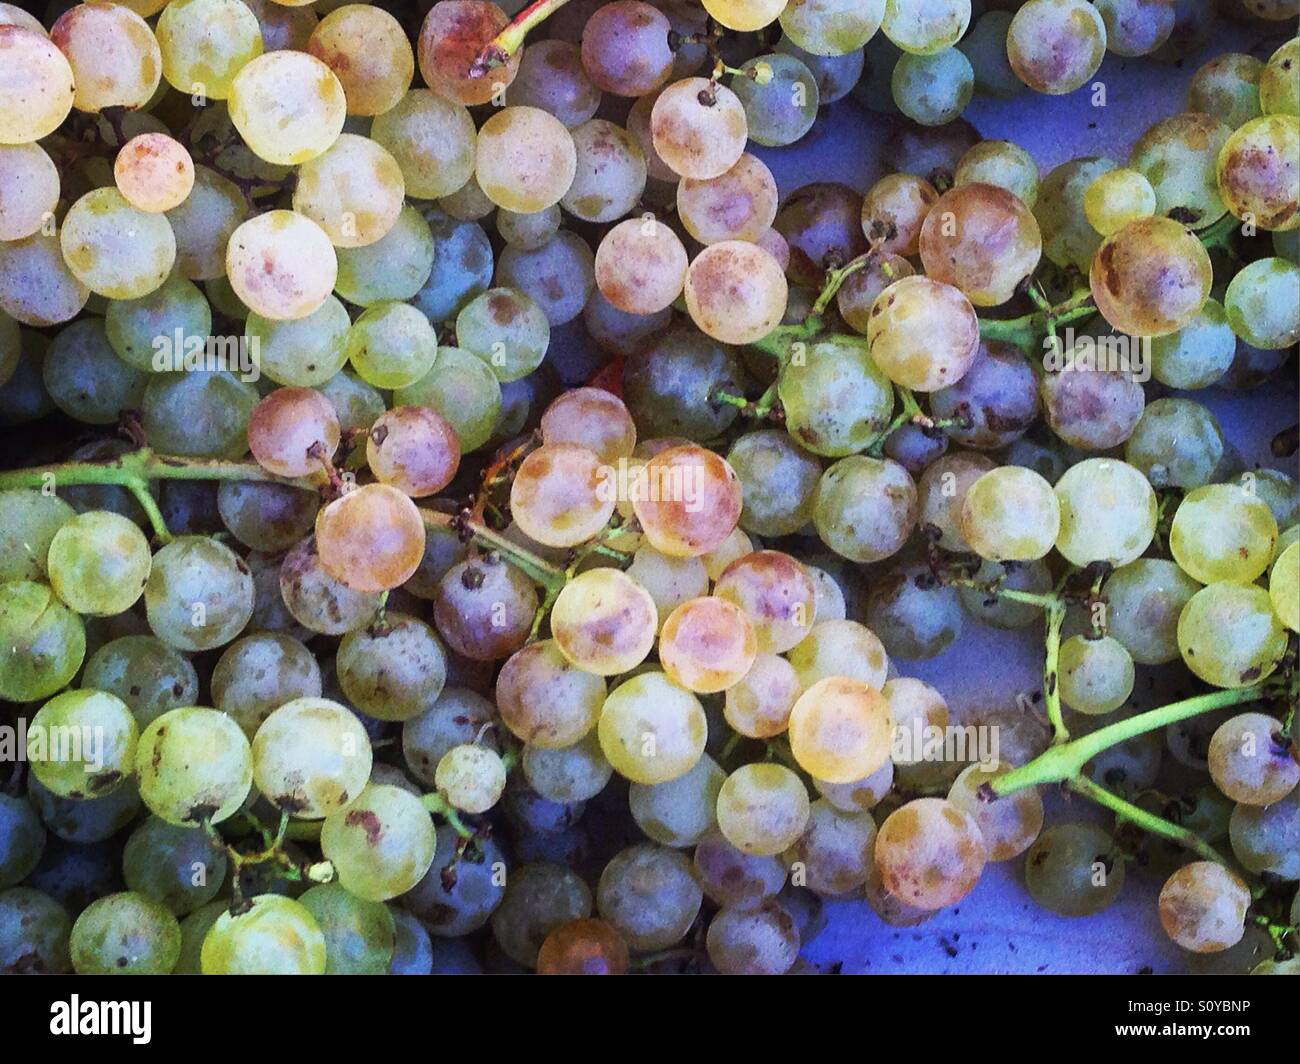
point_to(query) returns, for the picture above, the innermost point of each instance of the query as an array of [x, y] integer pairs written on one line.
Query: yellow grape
[[841, 730], [526, 159], [707, 645], [113, 54], [562, 495], [930, 853], [154, 172], [777, 594], [288, 106], [923, 333], [736, 292], [371, 538], [652, 730], [281, 265], [604, 622], [698, 129], [640, 266], [688, 501], [367, 49], [354, 191]]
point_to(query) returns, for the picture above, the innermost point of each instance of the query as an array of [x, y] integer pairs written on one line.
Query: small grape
[[1251, 761], [125, 934], [930, 853], [381, 843], [840, 730], [652, 730], [1074, 869], [1095, 675]]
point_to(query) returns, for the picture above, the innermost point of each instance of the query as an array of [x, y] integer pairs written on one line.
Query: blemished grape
[[651, 730], [568, 774], [506, 329], [359, 934], [1008, 825], [865, 508], [179, 867], [562, 495], [840, 730], [896, 207], [125, 934], [1074, 869], [38, 97], [640, 266], [1095, 675], [281, 264], [463, 388], [1261, 303], [832, 27], [381, 843], [698, 128], [370, 539], [34, 933], [933, 89], [1136, 27], [1250, 760], [776, 593], [311, 757], [1284, 585], [1151, 278], [625, 48], [1146, 597], [924, 27], [648, 893], [81, 744], [1229, 635], [836, 397], [1001, 163], [1203, 907], [199, 594], [1000, 611], [997, 397], [552, 77], [735, 292], [759, 941], [558, 276], [604, 622], [194, 764], [834, 852], [115, 249], [930, 853], [526, 159], [763, 809], [400, 265], [453, 35], [98, 563], [1108, 512], [367, 49], [739, 204], [1223, 532], [1177, 156], [914, 618], [293, 431], [1177, 442], [1257, 172], [583, 947], [484, 608], [539, 897], [1055, 46], [1266, 838], [1116, 198], [255, 676], [707, 644], [1010, 514], [471, 778], [923, 333], [315, 599], [1278, 92], [274, 935], [840, 649], [353, 190], [113, 54], [1227, 87], [778, 480], [688, 501], [682, 811]]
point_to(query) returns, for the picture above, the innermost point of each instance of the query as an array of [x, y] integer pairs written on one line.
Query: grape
[[144, 332], [1258, 175], [391, 345], [583, 947], [552, 77], [739, 204], [933, 89], [778, 481], [359, 934], [484, 608], [822, 225], [681, 811], [1096, 675], [915, 619], [272, 936], [114, 249], [281, 264], [282, 27], [36, 285], [834, 852], [591, 418], [1198, 354], [371, 538], [1000, 612], [260, 673], [896, 207], [37, 98], [651, 730], [1278, 91], [432, 140], [21, 842], [1003, 164], [923, 333], [205, 43], [316, 600], [1261, 300], [832, 27], [528, 232], [1008, 825], [452, 36], [98, 563], [707, 645], [865, 508], [604, 622], [468, 203], [735, 292], [29, 187], [34, 933], [353, 190], [194, 765], [84, 377], [839, 649], [526, 159], [204, 223], [1068, 239], [367, 49], [776, 593], [113, 54], [464, 390], [649, 896], [759, 704], [393, 669], [1280, 493], [1250, 760], [265, 516], [858, 293], [471, 778], [1136, 27], [1074, 869], [1266, 839], [546, 700], [457, 896], [1223, 532], [558, 276], [780, 98], [29, 521], [698, 128], [562, 495], [288, 106], [688, 501], [1203, 907], [199, 594], [625, 48], [1108, 512], [640, 266], [835, 397], [397, 266], [292, 431], [744, 15], [1227, 87], [1282, 586], [539, 897], [381, 844], [570, 774], [669, 581], [81, 744], [669, 386], [930, 853], [1229, 636], [507, 330], [1010, 514], [840, 730], [1116, 198], [413, 449], [762, 809], [998, 397], [1145, 599], [1150, 278], [1177, 442], [1177, 156], [86, 820], [179, 867], [1055, 46], [457, 716], [125, 934]]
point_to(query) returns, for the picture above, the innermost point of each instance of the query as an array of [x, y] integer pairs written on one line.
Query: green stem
[[498, 51], [780, 342], [1043, 601], [141, 466], [140, 489], [436, 803], [1064, 762], [1219, 234], [538, 569], [836, 278], [1025, 332], [1156, 825], [1051, 672]]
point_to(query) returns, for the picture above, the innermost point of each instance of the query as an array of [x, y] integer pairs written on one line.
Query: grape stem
[[1219, 234], [1149, 822], [499, 49], [1026, 332], [1051, 671], [537, 569], [436, 803]]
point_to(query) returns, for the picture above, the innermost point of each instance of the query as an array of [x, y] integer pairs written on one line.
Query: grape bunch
[[461, 508]]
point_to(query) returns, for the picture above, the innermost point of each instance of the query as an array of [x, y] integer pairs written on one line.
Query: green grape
[[649, 895], [463, 388], [1145, 599], [832, 27], [529, 231], [840, 648], [538, 898], [924, 27], [1136, 27], [1279, 491], [205, 43], [558, 276], [1003, 164], [288, 106], [1010, 514], [81, 744], [311, 757], [399, 265], [507, 330], [1116, 198], [114, 249], [393, 670], [1074, 869], [432, 139], [203, 224], [1257, 175], [354, 191], [1096, 675], [29, 521], [42, 642], [1262, 301], [457, 716], [932, 89], [461, 270], [836, 75], [381, 844], [150, 333], [865, 508], [1176, 443], [179, 867], [224, 300], [1227, 87], [258, 674], [668, 387], [471, 778], [1000, 612], [273, 935], [22, 841], [780, 97], [1284, 586], [1108, 512], [266, 516], [1178, 155], [1279, 87], [99, 563], [679, 812], [391, 345], [125, 934], [836, 399], [1266, 839], [1223, 532], [34, 933], [1199, 353], [84, 377], [651, 730], [456, 904], [779, 482], [1055, 46], [145, 673], [762, 809], [36, 286], [368, 49], [41, 93], [199, 594], [986, 48], [200, 414], [570, 774], [1068, 239], [1229, 635], [526, 159], [194, 765], [913, 619], [303, 353], [835, 850]]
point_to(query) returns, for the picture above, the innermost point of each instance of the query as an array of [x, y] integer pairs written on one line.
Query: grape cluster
[[481, 503]]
